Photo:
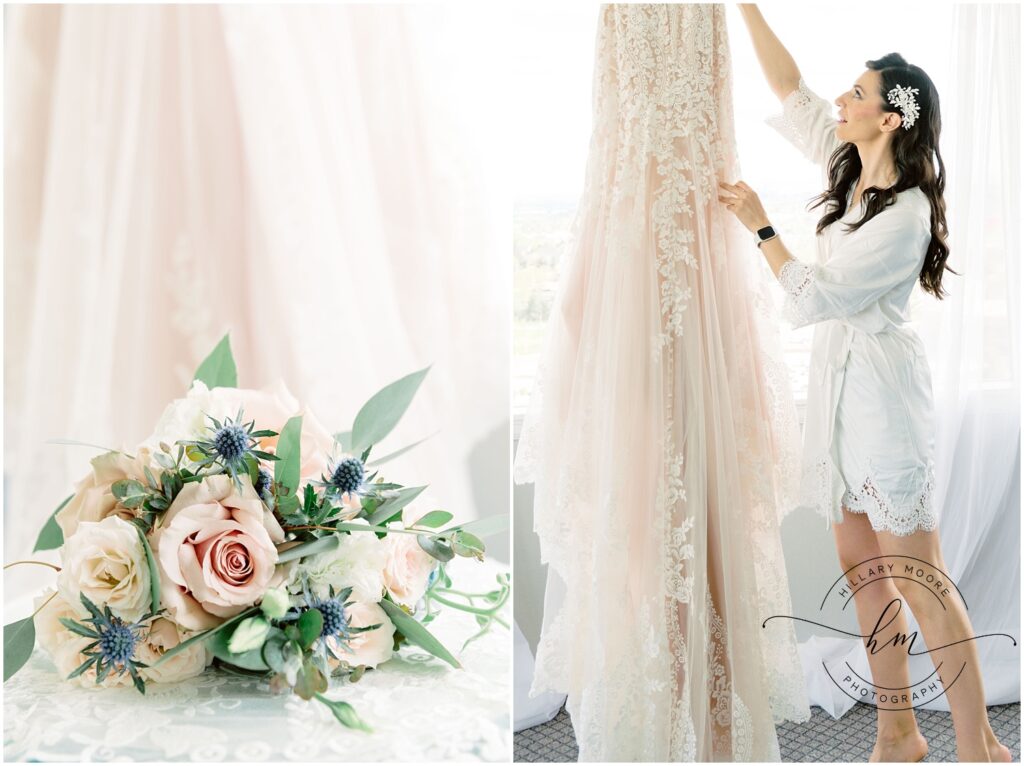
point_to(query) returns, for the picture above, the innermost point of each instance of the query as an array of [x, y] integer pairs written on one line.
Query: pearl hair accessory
[[903, 99]]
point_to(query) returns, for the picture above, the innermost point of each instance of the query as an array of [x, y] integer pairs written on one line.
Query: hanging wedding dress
[[662, 438]]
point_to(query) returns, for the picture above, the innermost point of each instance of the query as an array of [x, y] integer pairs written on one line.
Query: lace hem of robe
[[887, 515]]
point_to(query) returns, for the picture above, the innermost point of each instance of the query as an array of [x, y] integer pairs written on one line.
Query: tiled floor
[[821, 739]]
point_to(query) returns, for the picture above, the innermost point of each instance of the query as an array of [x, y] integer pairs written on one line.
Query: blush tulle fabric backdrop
[[306, 178]]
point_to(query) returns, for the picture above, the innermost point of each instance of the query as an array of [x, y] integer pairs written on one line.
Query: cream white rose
[[93, 500], [154, 642], [216, 553], [106, 561], [358, 563], [63, 646], [407, 569], [372, 647]]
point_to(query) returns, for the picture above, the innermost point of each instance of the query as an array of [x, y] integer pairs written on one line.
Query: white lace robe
[[868, 434]]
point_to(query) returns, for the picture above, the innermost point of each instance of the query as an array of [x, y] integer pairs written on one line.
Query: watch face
[[766, 232]]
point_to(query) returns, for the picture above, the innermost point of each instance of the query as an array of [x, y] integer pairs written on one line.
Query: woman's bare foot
[[988, 750], [899, 747], [997, 752]]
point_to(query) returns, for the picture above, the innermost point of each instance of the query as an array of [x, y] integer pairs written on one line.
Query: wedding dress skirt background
[[661, 437], [303, 176]]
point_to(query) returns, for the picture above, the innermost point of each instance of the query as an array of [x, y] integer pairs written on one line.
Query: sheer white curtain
[[306, 177], [973, 342]]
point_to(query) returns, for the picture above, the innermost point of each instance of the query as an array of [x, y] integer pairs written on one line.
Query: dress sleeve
[[881, 255], [807, 122]]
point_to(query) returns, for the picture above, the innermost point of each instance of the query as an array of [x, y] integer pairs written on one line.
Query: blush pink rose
[[216, 552], [407, 569]]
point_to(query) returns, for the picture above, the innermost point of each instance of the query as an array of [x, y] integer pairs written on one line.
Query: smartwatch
[[763, 235]]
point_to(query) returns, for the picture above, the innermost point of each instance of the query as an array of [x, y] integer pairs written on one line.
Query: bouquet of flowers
[[243, 534]]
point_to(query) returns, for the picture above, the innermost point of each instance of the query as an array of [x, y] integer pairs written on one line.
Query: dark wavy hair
[[912, 150]]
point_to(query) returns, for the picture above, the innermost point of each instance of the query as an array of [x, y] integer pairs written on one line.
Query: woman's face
[[861, 117]]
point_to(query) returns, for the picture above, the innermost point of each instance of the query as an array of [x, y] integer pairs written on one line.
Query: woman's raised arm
[[779, 68]]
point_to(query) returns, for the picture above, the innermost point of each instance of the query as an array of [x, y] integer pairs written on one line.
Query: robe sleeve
[[808, 123], [883, 254]]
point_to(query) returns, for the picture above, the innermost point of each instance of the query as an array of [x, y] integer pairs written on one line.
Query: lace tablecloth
[[420, 708]]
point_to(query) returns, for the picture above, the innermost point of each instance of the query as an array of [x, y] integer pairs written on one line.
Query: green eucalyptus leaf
[[416, 633], [345, 713], [310, 625], [249, 656], [321, 545], [434, 519], [252, 465], [310, 681], [206, 635], [344, 440], [130, 493], [51, 536], [397, 453], [439, 549], [466, 544], [394, 505], [288, 504], [154, 572], [485, 527], [218, 369], [273, 651], [19, 640], [384, 409], [286, 468]]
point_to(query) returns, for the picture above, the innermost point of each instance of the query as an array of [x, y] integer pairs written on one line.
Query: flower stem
[[41, 563], [355, 528], [48, 600], [492, 612]]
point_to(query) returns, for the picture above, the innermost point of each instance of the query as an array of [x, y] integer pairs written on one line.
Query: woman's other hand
[[743, 201]]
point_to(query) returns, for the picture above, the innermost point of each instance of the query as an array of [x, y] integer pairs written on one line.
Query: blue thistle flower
[[263, 482], [113, 645], [347, 476], [335, 621], [336, 631], [232, 442], [117, 642], [232, 445]]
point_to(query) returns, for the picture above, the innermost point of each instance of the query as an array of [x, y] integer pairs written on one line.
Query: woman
[[868, 437]]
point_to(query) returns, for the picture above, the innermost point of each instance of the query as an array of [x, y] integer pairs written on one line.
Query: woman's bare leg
[[898, 737], [975, 740]]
